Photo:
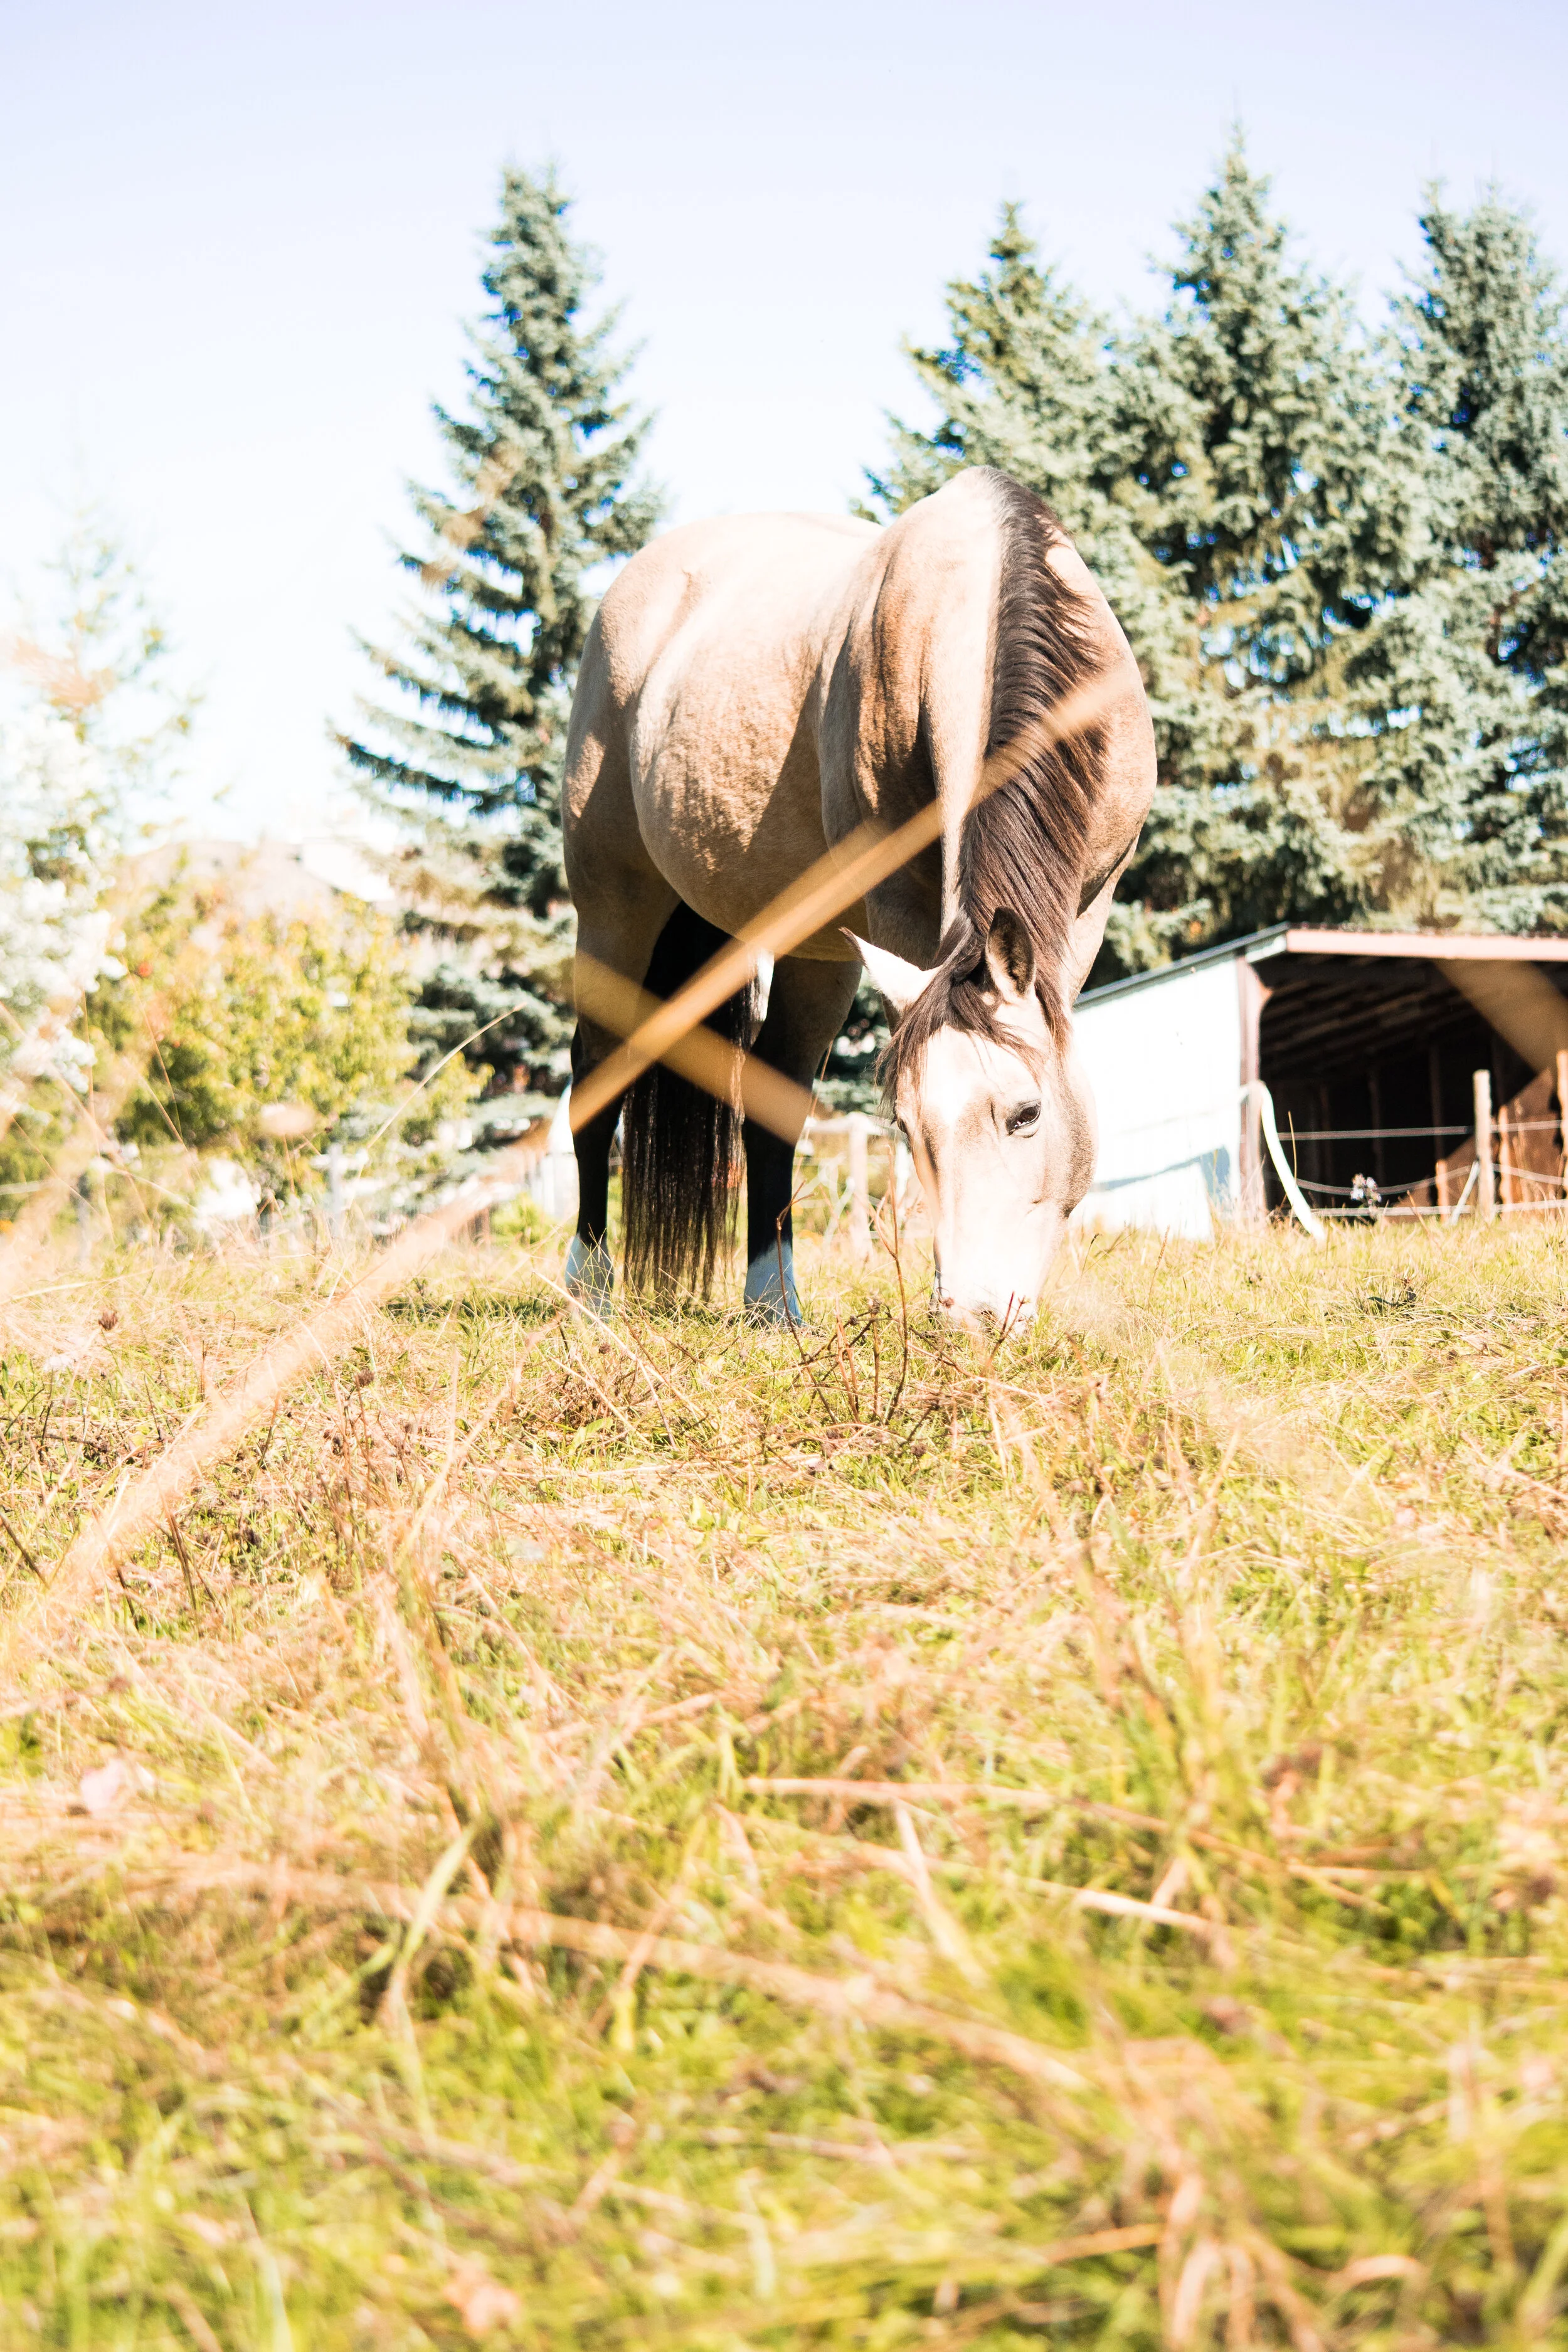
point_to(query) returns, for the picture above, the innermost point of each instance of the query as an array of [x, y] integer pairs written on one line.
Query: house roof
[[256, 878], [1311, 940]]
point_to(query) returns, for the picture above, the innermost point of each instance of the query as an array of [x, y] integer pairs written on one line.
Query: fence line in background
[[1495, 1174]]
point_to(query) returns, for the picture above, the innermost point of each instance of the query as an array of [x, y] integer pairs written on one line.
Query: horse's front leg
[[807, 1004]]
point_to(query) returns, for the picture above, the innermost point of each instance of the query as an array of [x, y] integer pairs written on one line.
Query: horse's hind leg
[[590, 1271], [618, 927], [807, 1004]]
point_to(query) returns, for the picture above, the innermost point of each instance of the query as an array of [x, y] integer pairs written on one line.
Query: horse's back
[[755, 686], [746, 576], [687, 723]]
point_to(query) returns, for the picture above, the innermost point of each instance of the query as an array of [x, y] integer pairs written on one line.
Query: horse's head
[[999, 1118]]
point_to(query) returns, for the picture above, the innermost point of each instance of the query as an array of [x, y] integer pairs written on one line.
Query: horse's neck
[[981, 622], [917, 639]]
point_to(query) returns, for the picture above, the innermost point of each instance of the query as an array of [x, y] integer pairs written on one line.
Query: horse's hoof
[[590, 1278], [773, 1302]]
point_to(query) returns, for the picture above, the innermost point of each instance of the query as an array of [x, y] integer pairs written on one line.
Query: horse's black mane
[[1024, 846]]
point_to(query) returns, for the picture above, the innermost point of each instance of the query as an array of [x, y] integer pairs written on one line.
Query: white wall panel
[[1165, 1064]]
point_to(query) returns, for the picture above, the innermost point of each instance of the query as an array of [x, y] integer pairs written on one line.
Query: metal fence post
[[1486, 1180]]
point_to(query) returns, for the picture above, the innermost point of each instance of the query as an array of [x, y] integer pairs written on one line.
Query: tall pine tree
[[1260, 471], [469, 753], [1020, 385], [1464, 685]]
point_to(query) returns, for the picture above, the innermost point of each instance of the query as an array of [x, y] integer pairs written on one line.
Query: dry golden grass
[[670, 1836]]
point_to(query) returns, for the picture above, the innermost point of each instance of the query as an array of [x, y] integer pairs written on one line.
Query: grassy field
[[674, 1836]]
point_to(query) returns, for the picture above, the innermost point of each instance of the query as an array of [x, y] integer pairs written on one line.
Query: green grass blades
[[669, 1835]]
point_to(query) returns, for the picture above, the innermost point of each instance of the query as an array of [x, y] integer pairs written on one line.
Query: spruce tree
[[1465, 683], [1250, 415], [1020, 385], [1259, 471], [469, 754]]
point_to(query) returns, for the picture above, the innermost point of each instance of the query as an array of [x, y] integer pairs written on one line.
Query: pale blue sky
[[239, 245]]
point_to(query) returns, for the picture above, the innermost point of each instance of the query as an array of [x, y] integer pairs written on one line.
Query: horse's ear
[[1009, 956], [900, 982]]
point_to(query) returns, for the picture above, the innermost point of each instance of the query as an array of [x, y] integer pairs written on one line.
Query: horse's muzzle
[[980, 1317]]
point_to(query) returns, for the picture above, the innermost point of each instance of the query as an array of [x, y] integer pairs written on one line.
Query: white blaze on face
[[1001, 1137]]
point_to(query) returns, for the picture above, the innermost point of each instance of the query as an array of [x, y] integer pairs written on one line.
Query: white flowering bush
[[55, 847]]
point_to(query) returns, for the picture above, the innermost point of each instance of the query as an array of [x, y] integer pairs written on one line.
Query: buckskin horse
[[754, 689]]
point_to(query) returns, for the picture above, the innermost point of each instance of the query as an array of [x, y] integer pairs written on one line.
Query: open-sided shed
[[1367, 1042]]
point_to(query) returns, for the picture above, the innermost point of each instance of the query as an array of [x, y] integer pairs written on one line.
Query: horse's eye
[[1020, 1120]]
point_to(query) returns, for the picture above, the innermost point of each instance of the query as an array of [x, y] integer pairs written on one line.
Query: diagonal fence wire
[[46, 1613], [835, 884], [765, 1095]]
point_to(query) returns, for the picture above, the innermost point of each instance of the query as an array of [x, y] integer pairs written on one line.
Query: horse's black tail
[[680, 1145]]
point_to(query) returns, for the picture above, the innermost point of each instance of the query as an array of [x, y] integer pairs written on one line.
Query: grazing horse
[[754, 689]]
